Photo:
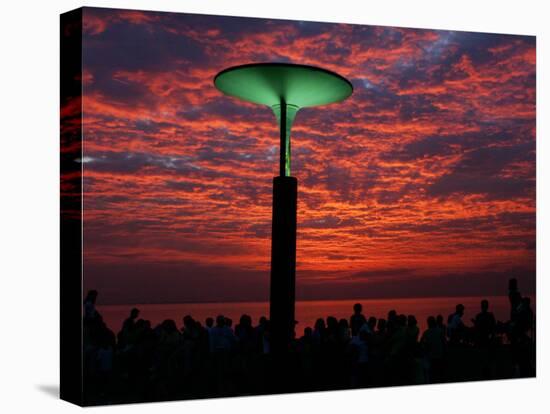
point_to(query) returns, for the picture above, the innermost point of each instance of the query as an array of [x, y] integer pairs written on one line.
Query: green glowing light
[[283, 87], [291, 111]]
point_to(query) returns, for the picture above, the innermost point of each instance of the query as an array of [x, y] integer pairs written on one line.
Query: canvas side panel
[[71, 207]]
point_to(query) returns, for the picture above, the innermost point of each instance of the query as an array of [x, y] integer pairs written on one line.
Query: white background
[[29, 191]]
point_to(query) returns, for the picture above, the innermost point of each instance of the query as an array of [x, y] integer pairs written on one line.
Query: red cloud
[[178, 173]]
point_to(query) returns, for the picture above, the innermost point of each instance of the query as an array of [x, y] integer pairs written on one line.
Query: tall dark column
[[283, 262]]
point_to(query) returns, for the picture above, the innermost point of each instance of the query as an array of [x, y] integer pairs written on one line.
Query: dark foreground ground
[[143, 363]]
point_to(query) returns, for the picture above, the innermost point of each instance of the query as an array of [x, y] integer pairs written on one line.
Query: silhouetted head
[[372, 323], [343, 323], [91, 296], [431, 322], [381, 325], [209, 322], [134, 313], [411, 321], [320, 324], [402, 320], [392, 315], [357, 308], [484, 305], [229, 322], [308, 332], [439, 320], [169, 326], [263, 321], [220, 321], [188, 321], [460, 309], [245, 320]]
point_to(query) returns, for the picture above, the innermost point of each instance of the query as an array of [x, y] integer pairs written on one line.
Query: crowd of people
[[146, 363]]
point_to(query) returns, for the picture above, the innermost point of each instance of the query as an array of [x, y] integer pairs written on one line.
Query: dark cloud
[[478, 173], [126, 46], [344, 184], [132, 162], [175, 283], [325, 222], [427, 147], [401, 283], [494, 188], [186, 185]]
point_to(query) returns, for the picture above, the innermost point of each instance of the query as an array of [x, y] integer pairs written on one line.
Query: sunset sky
[[422, 183]]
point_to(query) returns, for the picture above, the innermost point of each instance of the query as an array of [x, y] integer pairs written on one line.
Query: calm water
[[308, 311]]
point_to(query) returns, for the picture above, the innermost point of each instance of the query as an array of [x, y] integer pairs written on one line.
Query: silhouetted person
[[319, 331], [517, 325], [93, 327], [412, 336], [209, 323], [169, 335], [391, 321], [305, 343], [484, 325], [307, 350], [245, 334], [222, 341], [262, 336], [525, 316], [332, 352], [359, 344], [397, 355], [229, 323], [343, 331], [125, 336], [523, 344], [381, 326], [433, 345], [521, 322], [357, 320], [221, 336], [372, 324], [130, 322], [103, 363], [192, 350], [189, 326], [332, 328], [440, 324], [514, 297], [90, 311], [412, 328], [378, 349], [456, 328]]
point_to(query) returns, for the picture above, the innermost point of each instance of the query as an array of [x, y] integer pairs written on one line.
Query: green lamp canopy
[[286, 88]]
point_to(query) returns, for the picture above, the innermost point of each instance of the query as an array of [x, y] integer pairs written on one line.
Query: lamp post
[[285, 88]]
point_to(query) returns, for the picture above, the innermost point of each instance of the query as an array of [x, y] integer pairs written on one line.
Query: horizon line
[[531, 294]]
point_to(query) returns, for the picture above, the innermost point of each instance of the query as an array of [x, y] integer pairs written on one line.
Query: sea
[[307, 312]]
